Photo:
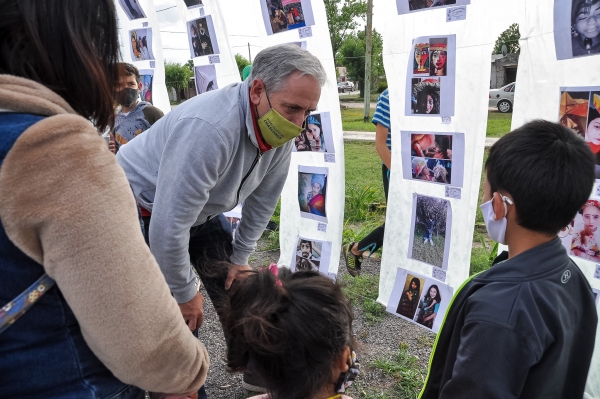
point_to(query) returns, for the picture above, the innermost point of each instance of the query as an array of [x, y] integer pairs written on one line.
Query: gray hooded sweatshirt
[[198, 161]]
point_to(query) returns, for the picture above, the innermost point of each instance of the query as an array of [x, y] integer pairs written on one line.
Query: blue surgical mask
[[496, 228]]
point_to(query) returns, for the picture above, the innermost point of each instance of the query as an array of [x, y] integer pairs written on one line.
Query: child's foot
[[431, 242], [353, 262]]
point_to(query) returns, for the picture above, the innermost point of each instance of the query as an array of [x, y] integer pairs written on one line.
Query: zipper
[[256, 160]]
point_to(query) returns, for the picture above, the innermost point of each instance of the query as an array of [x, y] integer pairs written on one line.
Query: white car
[[345, 86], [503, 98]]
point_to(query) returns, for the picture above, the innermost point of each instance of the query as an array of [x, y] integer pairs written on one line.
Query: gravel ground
[[380, 340]]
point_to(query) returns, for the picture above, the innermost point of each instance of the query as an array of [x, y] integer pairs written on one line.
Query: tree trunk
[[361, 87]]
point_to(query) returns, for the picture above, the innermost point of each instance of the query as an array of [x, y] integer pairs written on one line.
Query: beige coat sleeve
[[66, 203]]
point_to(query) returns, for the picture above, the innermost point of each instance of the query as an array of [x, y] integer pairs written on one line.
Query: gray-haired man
[[211, 153]]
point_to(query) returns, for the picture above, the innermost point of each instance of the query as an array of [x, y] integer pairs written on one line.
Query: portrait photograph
[[285, 15], [132, 8], [312, 192], [146, 77], [206, 78], [576, 28], [201, 37], [141, 44], [581, 237], [426, 96], [438, 56], [430, 230], [311, 254], [317, 137]]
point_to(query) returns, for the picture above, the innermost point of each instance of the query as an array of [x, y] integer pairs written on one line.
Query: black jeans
[[374, 239]]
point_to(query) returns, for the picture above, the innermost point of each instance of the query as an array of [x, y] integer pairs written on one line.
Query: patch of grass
[[363, 291], [361, 202], [424, 251], [353, 120], [404, 368], [498, 124], [271, 239], [356, 98], [425, 341], [482, 256]]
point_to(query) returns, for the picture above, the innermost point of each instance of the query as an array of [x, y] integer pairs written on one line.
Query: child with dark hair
[[410, 298], [526, 327], [295, 329], [428, 236], [429, 306]]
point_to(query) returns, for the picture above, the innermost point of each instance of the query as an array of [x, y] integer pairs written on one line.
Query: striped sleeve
[[382, 111]]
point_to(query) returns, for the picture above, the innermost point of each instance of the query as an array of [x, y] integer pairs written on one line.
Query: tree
[[242, 62], [352, 56], [342, 19], [510, 38], [177, 76], [190, 65]]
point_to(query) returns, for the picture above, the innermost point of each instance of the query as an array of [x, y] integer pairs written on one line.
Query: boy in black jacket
[[526, 327]]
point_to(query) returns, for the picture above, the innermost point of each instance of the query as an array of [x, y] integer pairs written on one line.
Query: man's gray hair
[[274, 65]]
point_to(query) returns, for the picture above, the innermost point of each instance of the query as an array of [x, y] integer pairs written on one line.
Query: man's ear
[[256, 91], [498, 205], [140, 85]]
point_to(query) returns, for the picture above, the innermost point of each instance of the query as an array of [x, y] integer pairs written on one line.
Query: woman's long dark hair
[[293, 332], [69, 46], [438, 296], [417, 282]]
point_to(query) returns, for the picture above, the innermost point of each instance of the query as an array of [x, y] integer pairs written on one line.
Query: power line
[[165, 9]]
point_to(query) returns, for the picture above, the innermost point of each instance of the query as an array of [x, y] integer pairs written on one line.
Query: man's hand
[[192, 312], [236, 273], [111, 144]]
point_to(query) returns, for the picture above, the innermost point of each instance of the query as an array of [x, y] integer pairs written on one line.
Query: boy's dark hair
[[69, 46], [293, 332], [547, 169], [126, 69]]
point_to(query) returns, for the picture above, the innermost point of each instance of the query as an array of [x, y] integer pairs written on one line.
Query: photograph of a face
[[146, 77], [190, 4], [206, 78], [582, 237], [141, 44], [406, 6], [431, 77], [201, 37], [430, 230], [317, 137], [576, 28], [311, 254], [312, 192], [132, 8], [419, 299], [284, 15], [580, 112]]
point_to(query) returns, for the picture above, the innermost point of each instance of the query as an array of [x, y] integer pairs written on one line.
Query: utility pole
[[368, 51], [249, 55]]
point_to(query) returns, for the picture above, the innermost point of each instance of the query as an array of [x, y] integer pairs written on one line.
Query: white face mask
[[496, 228]]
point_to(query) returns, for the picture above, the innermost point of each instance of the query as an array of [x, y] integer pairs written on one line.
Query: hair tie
[[275, 272]]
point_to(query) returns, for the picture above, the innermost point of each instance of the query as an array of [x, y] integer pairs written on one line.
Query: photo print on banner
[[312, 192], [233, 217], [132, 8], [576, 28], [580, 112], [311, 255], [317, 137], [433, 157], [419, 299], [284, 15], [431, 77], [190, 4], [406, 6], [206, 78], [430, 229], [581, 237], [202, 38], [146, 78], [141, 44]]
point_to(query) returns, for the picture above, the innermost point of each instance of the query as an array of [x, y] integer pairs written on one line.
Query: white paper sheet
[[311, 254]]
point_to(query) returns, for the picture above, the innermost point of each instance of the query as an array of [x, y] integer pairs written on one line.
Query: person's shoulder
[[152, 113]]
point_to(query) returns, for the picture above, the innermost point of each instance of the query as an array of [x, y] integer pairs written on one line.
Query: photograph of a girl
[[592, 134], [311, 193], [426, 96], [433, 170], [438, 51], [585, 27], [410, 297], [141, 44], [586, 237], [429, 306], [438, 146], [421, 63], [429, 234], [313, 137], [147, 88]]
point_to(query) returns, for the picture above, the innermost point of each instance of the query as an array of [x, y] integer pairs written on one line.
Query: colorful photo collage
[[311, 255], [317, 137], [431, 76], [285, 15], [419, 299], [580, 112], [576, 28], [433, 157], [312, 192], [201, 37]]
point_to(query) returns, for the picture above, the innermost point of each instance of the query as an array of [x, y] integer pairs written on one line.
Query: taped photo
[[576, 28], [406, 6], [312, 192], [317, 137], [419, 299], [146, 78], [206, 78], [133, 9], [580, 111], [433, 157], [285, 15], [431, 225], [311, 254], [431, 77], [201, 37], [190, 4], [581, 237], [141, 44]]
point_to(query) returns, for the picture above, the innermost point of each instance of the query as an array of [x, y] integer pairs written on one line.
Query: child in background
[[428, 230], [526, 327], [296, 329]]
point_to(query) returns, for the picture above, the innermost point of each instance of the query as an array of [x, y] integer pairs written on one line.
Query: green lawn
[[355, 98], [498, 124]]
